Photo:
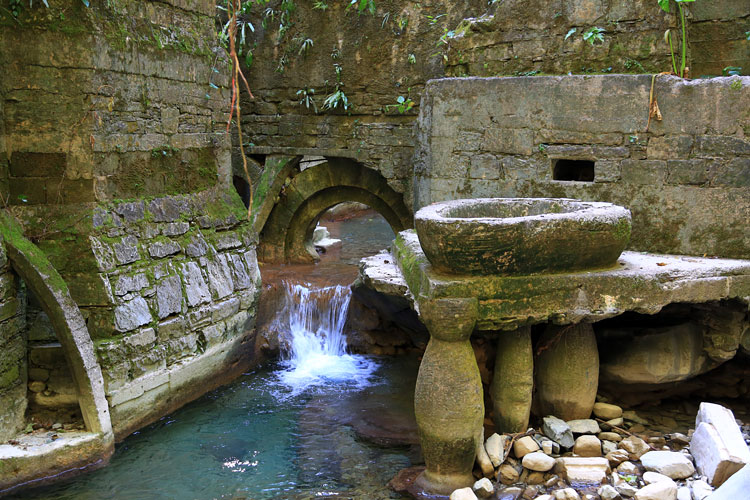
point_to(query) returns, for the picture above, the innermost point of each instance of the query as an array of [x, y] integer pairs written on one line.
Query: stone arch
[[286, 234], [33, 267]]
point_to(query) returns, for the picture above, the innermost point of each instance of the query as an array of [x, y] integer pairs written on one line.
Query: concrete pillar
[[567, 372], [448, 401], [513, 381]]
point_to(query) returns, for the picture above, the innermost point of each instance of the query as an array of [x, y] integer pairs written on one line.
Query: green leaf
[[664, 4], [570, 32], [85, 2]]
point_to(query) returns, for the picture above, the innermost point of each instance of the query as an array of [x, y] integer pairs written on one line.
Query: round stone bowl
[[522, 235]]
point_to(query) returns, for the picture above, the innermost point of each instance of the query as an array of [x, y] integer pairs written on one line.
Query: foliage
[[403, 104], [363, 5], [664, 4], [731, 71], [593, 35], [17, 5], [336, 98], [307, 97]]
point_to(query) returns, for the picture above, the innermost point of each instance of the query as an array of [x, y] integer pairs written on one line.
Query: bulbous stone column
[[513, 381], [567, 372], [448, 401]]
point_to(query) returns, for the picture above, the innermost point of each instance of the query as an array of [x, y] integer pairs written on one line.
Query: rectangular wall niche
[[573, 170]]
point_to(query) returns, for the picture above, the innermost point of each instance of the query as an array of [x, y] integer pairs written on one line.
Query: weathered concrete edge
[[506, 303], [183, 383]]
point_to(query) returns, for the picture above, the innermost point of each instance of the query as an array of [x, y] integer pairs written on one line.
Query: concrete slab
[[639, 282]]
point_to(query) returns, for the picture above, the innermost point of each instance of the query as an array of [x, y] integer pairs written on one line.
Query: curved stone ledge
[[34, 462]]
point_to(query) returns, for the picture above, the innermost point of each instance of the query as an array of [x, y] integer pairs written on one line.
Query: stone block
[[167, 209], [197, 247], [224, 309], [580, 470], [196, 288], [721, 146], [170, 120], [28, 164], [132, 314], [126, 250], [220, 276], [485, 167], [674, 147], [131, 211], [690, 172], [508, 140], [734, 174], [171, 328], [161, 249], [175, 228], [130, 283], [27, 191], [646, 172], [717, 445], [169, 296]]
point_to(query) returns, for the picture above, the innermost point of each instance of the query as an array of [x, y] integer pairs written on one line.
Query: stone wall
[[114, 101], [13, 367], [633, 33], [686, 180], [381, 57], [114, 156]]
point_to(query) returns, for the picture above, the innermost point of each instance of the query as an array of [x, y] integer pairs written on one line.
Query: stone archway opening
[[294, 193]]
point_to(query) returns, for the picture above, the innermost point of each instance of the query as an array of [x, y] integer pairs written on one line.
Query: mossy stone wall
[[13, 366], [686, 178]]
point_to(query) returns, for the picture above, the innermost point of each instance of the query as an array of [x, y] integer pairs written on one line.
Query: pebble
[[524, 446], [584, 426], [617, 457], [583, 470], [507, 474], [701, 489], [623, 487], [463, 494], [607, 411], [683, 493], [588, 446], [545, 497], [530, 492], [495, 446], [658, 491], [610, 436], [511, 493], [635, 446], [535, 477], [654, 477], [483, 488], [567, 494], [538, 461], [548, 447], [608, 492], [608, 447], [670, 463], [627, 468]]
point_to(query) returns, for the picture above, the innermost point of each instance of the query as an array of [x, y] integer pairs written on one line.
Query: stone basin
[[522, 235]]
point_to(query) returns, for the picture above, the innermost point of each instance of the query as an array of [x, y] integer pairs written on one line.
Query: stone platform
[[449, 402]]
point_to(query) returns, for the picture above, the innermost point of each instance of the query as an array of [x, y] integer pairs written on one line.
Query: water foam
[[312, 322]]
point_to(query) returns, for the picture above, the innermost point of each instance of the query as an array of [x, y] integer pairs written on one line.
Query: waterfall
[[311, 322]]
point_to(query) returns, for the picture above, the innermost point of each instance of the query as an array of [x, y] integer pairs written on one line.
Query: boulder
[[538, 461], [717, 445], [495, 447], [567, 494], [524, 446], [483, 488], [653, 356], [584, 426], [567, 372], [606, 411], [654, 477], [670, 463], [463, 494], [483, 459], [635, 447], [658, 491], [507, 474], [734, 488], [588, 446], [608, 492], [558, 431]]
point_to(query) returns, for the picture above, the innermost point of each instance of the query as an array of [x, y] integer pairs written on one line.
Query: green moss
[[12, 232]]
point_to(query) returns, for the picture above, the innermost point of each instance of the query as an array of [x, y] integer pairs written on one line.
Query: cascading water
[[312, 325]]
